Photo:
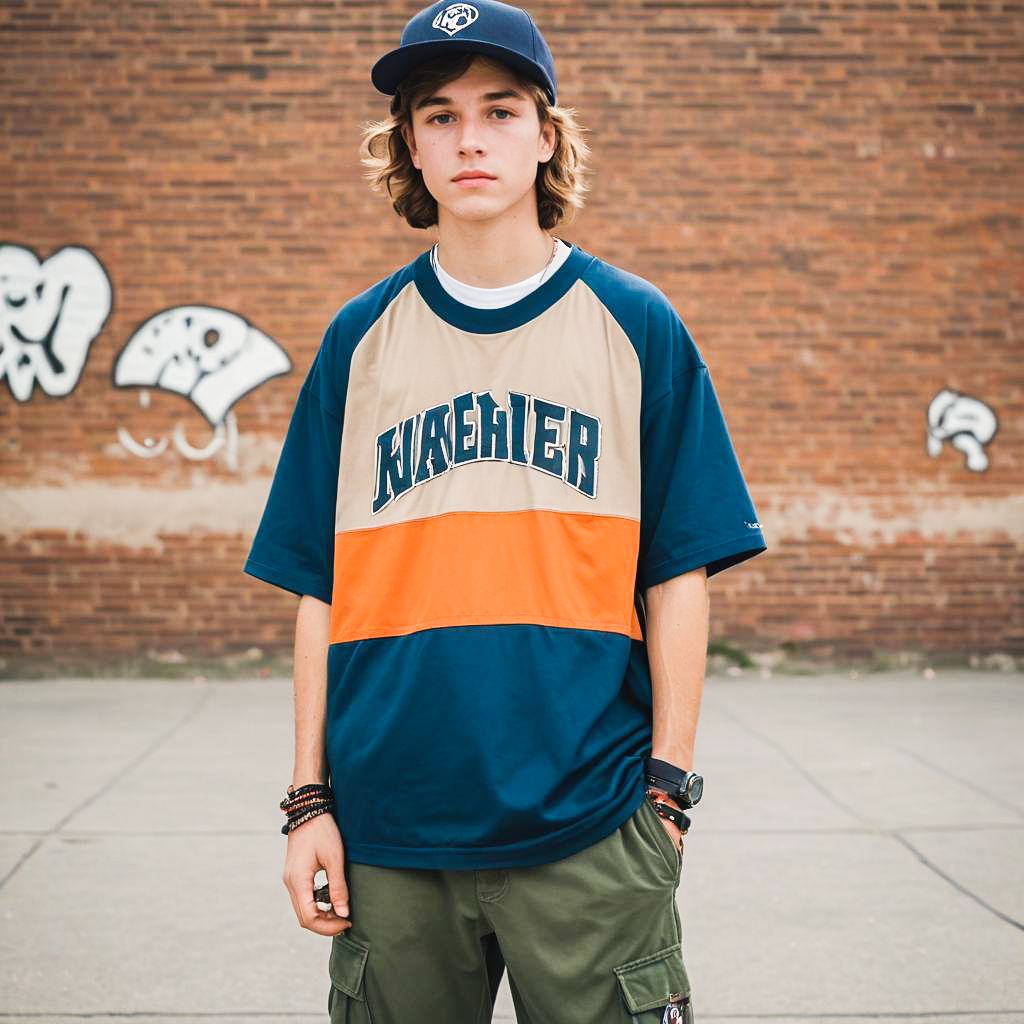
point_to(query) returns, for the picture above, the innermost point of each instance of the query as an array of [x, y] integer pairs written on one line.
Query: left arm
[[678, 618]]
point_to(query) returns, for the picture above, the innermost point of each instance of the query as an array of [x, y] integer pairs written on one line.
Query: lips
[[474, 176]]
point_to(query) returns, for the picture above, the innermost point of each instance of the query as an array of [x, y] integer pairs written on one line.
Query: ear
[[548, 141], [410, 141]]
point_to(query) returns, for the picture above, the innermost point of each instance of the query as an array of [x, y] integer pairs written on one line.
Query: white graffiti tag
[[968, 424], [209, 355], [50, 313]]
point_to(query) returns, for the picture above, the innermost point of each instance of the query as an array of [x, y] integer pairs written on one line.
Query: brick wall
[[830, 195]]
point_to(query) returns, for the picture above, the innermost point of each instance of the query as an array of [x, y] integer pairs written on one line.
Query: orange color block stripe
[[474, 568]]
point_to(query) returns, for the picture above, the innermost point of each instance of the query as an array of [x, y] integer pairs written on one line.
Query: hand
[[317, 844]]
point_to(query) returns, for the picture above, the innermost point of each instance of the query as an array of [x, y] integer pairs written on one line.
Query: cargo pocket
[[655, 988], [346, 1001]]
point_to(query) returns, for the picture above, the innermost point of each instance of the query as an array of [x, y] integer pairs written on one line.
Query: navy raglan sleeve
[[294, 545], [695, 507]]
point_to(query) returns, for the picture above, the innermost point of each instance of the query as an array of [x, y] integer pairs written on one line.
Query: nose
[[469, 137]]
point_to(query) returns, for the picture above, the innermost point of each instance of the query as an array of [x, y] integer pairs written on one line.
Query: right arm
[[317, 843], [310, 674]]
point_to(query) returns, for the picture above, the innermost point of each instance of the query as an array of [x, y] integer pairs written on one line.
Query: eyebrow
[[488, 97]]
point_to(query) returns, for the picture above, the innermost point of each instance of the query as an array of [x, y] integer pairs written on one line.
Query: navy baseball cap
[[487, 26]]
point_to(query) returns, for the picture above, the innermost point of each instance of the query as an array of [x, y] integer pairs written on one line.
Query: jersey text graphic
[[551, 438]]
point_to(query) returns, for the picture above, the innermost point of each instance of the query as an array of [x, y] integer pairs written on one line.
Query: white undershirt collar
[[506, 294]]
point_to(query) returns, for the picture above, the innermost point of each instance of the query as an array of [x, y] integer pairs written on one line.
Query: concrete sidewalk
[[859, 853]]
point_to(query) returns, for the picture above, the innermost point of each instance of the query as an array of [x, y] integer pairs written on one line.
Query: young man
[[505, 484]]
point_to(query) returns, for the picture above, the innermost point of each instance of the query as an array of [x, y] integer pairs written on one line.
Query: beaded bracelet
[[309, 800], [312, 789], [305, 803], [294, 821], [293, 824]]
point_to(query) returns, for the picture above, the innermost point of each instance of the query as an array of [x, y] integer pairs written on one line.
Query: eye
[[497, 110]]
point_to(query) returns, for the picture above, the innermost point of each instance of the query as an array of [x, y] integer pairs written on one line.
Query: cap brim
[[387, 73]]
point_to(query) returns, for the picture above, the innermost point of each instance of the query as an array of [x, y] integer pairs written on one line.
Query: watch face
[[696, 788]]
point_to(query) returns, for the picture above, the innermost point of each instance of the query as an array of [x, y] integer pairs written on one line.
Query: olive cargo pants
[[594, 938]]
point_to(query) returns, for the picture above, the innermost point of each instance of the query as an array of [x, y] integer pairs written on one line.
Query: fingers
[[323, 922], [308, 849], [309, 914], [334, 865]]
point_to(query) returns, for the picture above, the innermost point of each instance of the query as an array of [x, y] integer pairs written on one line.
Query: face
[[484, 121]]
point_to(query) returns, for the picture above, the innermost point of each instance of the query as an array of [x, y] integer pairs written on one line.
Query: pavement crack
[[799, 768], [893, 833], [966, 783], [953, 882], [126, 769]]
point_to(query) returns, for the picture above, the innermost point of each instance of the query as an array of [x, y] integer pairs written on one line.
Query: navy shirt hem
[[291, 581], [541, 851], [716, 557]]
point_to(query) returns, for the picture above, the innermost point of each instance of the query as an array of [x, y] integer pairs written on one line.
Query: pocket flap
[[654, 980], [347, 963]]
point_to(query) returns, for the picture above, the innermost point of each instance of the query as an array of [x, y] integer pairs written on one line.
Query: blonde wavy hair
[[561, 181]]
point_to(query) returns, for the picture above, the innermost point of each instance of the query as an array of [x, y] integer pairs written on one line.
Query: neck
[[490, 256]]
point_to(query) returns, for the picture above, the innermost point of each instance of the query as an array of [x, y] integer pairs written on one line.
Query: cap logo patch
[[455, 17]]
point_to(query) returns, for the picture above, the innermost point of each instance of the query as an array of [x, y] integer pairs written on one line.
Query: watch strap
[[667, 776]]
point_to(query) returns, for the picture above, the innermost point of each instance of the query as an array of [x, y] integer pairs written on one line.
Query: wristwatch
[[685, 788]]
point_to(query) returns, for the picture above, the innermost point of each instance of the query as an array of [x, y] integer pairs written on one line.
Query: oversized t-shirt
[[483, 496]]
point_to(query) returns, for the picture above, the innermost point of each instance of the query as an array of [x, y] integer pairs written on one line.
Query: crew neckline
[[502, 295], [502, 318]]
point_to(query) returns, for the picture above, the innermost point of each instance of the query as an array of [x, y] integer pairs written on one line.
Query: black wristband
[[678, 817]]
